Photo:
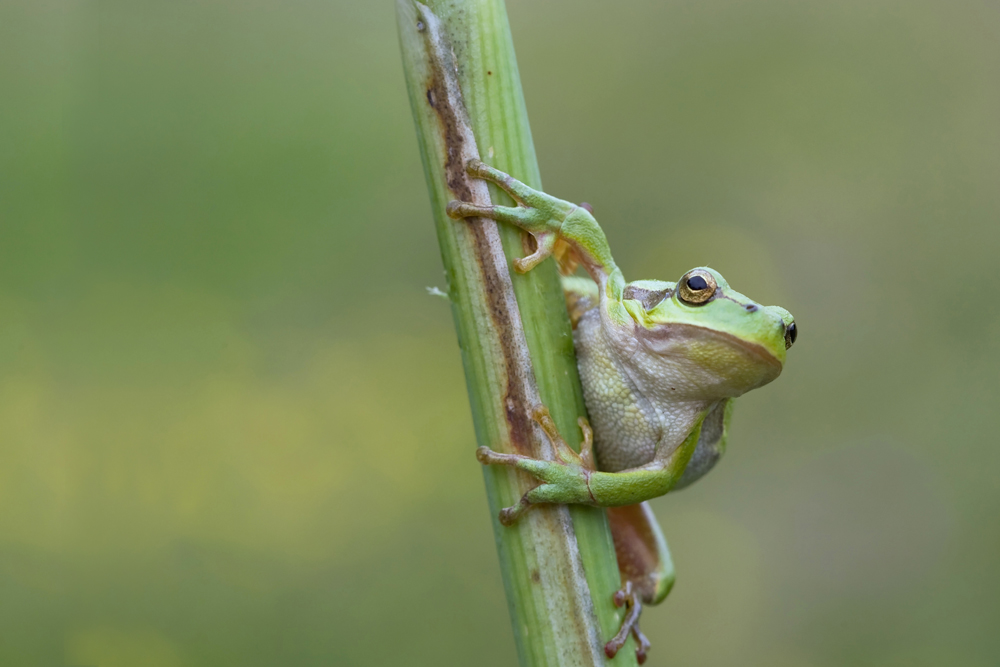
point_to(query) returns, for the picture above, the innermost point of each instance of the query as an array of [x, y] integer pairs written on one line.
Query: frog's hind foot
[[629, 597]]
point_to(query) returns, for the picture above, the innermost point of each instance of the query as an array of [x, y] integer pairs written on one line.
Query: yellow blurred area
[[222, 452], [234, 428], [117, 648]]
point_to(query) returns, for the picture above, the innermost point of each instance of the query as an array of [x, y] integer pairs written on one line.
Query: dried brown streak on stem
[[447, 105]]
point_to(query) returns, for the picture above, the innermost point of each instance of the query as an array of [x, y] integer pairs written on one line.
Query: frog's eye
[[791, 333], [696, 287]]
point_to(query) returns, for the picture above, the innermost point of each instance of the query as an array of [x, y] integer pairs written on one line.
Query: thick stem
[[558, 563]]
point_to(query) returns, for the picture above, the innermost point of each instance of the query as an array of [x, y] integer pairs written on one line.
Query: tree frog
[[660, 363]]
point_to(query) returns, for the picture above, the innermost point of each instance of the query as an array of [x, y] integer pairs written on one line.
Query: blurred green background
[[233, 424]]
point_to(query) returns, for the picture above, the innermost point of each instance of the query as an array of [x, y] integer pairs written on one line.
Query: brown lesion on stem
[[453, 124]]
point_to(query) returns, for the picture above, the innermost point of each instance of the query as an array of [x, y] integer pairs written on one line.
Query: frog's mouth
[[744, 363]]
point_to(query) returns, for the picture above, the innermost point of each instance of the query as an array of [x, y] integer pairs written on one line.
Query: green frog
[[660, 364]]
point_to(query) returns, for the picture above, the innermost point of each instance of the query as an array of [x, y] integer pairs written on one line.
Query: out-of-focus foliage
[[233, 424]]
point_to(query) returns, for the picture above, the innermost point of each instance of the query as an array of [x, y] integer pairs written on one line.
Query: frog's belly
[[626, 427]]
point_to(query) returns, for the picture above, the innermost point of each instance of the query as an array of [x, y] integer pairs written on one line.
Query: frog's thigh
[[643, 556]]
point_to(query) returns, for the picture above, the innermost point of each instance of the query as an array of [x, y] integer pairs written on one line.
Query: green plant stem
[[558, 563]]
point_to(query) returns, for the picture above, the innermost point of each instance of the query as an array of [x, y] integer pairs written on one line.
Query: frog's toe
[[543, 494], [509, 515], [521, 193], [457, 210], [478, 169], [460, 209], [488, 457], [544, 242], [643, 644], [629, 597]]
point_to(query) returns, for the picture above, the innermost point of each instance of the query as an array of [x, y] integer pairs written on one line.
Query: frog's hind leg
[[646, 568]]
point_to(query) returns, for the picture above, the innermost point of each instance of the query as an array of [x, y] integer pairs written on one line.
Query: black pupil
[[697, 283], [793, 332]]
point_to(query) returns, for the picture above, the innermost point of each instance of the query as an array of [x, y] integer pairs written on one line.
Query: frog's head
[[703, 327]]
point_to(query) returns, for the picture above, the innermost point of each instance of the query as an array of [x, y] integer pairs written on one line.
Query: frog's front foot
[[629, 597], [566, 479], [539, 214]]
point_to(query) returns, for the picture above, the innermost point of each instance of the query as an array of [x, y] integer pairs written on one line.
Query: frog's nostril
[[751, 308]]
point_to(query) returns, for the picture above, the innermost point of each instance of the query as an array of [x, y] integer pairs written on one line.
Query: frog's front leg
[[546, 218]]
